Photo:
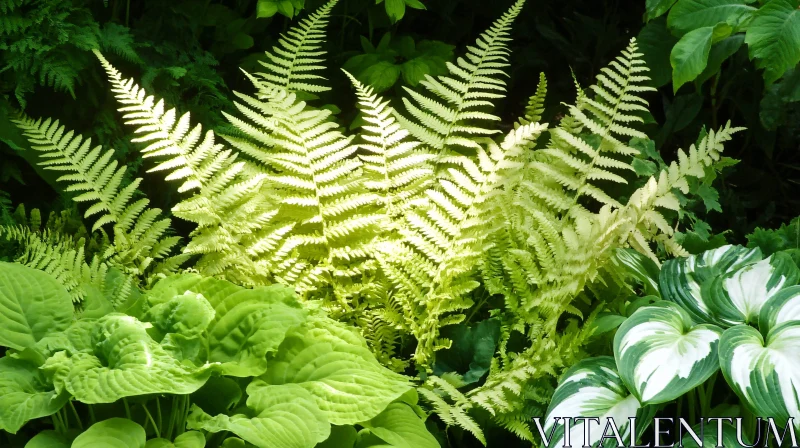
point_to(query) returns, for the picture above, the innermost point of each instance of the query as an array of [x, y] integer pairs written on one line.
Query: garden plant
[[401, 223]]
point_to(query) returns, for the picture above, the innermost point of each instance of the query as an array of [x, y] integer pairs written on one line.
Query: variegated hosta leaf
[[782, 307], [765, 374], [710, 437], [681, 279], [592, 388], [737, 297], [661, 355]]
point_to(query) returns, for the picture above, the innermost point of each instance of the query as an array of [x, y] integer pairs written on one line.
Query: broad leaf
[[472, 350], [125, 361], [250, 324], [737, 297], [681, 279], [32, 305], [639, 267], [710, 437], [688, 15], [592, 388], [783, 306], [764, 373], [341, 437], [773, 38], [116, 432], [689, 56], [399, 426], [284, 417], [48, 439], [719, 53], [661, 355], [191, 439], [332, 362], [655, 42], [25, 394], [656, 8]]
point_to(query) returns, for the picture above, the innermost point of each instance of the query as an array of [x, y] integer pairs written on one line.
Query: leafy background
[[190, 51]]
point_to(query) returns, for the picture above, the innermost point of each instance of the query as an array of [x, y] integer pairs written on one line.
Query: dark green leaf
[[656, 42], [471, 352], [773, 38]]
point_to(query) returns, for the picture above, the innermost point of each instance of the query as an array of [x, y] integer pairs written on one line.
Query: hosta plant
[[728, 309]]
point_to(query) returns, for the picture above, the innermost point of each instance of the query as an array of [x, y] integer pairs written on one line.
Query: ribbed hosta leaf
[[32, 304], [191, 439], [661, 355], [285, 416], [782, 307], [592, 388], [25, 394], [333, 363], [737, 297], [681, 279], [116, 432], [764, 373], [123, 361], [240, 325], [399, 426]]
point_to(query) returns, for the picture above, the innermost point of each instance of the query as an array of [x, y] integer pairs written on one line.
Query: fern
[[139, 235], [298, 54], [444, 238], [395, 167], [535, 107], [472, 83]]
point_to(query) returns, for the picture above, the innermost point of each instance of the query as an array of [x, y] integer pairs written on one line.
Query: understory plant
[[730, 310], [327, 270]]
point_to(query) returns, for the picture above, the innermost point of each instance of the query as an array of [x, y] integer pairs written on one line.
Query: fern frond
[[455, 116], [535, 107], [291, 64], [326, 216], [395, 167], [445, 236], [139, 235]]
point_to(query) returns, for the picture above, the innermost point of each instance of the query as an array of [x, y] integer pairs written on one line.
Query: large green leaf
[[250, 324], [764, 373], [190, 439], [48, 439], [333, 363], [689, 57], [661, 355], [719, 53], [114, 432], [398, 426], [655, 43], [25, 394], [285, 416], [124, 361], [773, 38], [471, 352], [737, 297], [32, 304], [688, 15], [592, 388], [681, 279], [783, 306], [656, 8]]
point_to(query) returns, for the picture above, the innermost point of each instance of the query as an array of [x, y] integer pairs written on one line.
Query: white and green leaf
[[661, 355], [591, 388], [783, 306], [681, 279], [737, 297], [765, 373]]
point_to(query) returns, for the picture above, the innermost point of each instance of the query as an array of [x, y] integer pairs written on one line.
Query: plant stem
[[92, 418], [155, 427], [77, 417], [127, 408]]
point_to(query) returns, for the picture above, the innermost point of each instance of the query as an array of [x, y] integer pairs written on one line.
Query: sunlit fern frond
[[140, 233], [291, 64], [326, 217], [452, 111], [573, 164], [227, 202], [395, 167], [444, 239]]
